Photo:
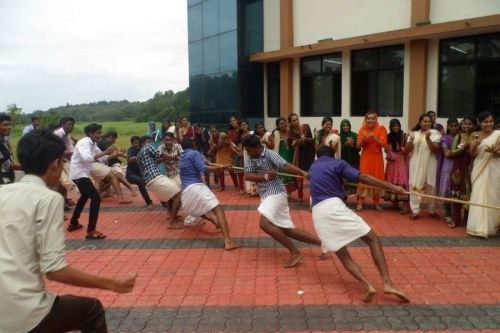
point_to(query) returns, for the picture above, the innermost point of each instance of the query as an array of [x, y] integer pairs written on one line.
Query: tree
[[14, 112]]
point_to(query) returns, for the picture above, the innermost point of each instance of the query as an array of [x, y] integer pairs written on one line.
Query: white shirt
[[28, 129], [82, 158], [31, 244], [67, 139]]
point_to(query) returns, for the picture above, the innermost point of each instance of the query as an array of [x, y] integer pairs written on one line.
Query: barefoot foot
[[230, 245], [369, 295], [175, 226], [295, 258], [396, 292]]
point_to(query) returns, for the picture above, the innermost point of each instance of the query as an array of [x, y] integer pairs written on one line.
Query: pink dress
[[396, 171]]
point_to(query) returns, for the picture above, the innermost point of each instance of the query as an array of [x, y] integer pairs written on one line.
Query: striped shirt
[[267, 161], [147, 161]]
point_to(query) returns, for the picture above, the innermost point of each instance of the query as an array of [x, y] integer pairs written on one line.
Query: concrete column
[[286, 65]]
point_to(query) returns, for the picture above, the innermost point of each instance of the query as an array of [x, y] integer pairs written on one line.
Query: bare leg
[[281, 237], [354, 270], [210, 216], [229, 244], [123, 180], [174, 205], [116, 185], [302, 235], [378, 256]]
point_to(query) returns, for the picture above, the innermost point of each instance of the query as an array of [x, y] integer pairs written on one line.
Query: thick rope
[[463, 202]]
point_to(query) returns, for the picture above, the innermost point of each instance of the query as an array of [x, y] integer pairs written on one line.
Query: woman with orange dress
[[372, 139]]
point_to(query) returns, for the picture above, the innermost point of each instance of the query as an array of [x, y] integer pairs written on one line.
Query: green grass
[[125, 130]]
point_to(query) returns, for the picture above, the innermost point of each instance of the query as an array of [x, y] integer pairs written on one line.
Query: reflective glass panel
[[390, 93], [210, 18], [211, 55], [228, 90], [227, 15], [196, 58], [228, 51], [195, 29]]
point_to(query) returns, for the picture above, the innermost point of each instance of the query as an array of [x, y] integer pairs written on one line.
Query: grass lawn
[[125, 130]]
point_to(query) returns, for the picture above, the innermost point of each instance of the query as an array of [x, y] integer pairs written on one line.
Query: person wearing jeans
[[86, 152], [133, 174]]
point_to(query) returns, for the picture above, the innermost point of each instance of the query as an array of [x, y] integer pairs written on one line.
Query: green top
[[348, 154]]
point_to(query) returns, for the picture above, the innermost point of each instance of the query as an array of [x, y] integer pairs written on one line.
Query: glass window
[[211, 55], [457, 91], [253, 28], [229, 51], [196, 58], [377, 81], [193, 2], [332, 64], [311, 66], [488, 47], [458, 50], [273, 89], [469, 76], [227, 15], [195, 28], [196, 93], [320, 85], [210, 18], [228, 91], [211, 92], [364, 60]]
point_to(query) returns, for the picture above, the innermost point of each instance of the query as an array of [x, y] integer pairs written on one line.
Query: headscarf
[[345, 135], [377, 129]]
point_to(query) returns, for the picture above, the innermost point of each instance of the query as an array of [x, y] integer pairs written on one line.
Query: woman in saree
[[348, 150], [327, 136], [396, 171], [372, 138], [485, 149], [279, 138], [301, 139], [423, 145]]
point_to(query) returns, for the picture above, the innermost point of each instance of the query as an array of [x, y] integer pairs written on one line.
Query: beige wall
[[337, 19], [271, 25], [452, 10]]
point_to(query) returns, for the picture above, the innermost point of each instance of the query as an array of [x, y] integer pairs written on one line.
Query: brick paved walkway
[[187, 283]]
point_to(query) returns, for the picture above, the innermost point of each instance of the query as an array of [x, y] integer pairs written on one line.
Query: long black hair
[[422, 116], [395, 139]]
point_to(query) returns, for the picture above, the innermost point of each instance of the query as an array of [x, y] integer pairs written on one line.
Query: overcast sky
[[54, 52]]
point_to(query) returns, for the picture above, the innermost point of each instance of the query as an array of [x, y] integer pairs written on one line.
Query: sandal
[[95, 235], [379, 208], [72, 227], [414, 216]]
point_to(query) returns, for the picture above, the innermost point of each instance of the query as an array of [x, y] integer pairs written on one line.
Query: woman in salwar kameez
[[281, 146], [372, 138], [423, 145]]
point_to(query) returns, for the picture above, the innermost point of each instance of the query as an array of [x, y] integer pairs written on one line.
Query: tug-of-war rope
[[378, 188]]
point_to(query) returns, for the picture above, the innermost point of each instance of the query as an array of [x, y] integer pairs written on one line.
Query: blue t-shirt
[[326, 175], [192, 166]]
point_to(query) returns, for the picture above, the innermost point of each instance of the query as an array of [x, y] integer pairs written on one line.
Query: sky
[[54, 52]]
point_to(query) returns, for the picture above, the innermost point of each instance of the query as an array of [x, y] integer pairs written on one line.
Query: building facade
[[400, 58], [222, 34]]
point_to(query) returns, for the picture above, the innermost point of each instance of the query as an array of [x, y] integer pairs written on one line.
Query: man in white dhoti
[[275, 217], [337, 225], [196, 198]]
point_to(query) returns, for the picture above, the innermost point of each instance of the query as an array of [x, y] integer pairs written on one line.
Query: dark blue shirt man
[[197, 199], [337, 225]]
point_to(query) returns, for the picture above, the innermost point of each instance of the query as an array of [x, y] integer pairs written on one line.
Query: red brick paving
[[255, 276]]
